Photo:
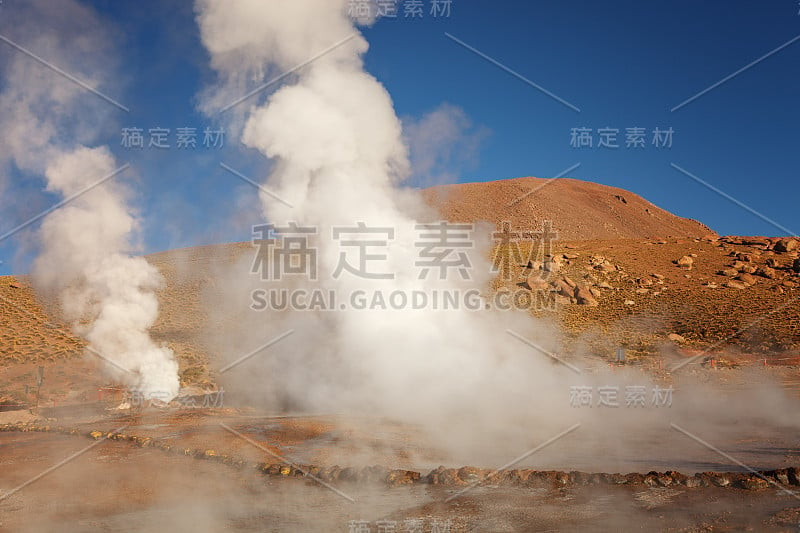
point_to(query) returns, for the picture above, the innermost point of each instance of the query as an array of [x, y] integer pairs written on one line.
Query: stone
[[536, 283], [629, 302], [470, 474], [563, 288], [731, 272], [771, 262], [786, 245], [747, 279], [685, 262], [405, 477], [754, 483], [584, 297], [720, 480], [606, 267], [552, 266], [749, 269], [767, 272], [676, 338], [733, 284], [693, 482]]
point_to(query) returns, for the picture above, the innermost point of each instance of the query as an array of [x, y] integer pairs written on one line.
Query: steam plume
[[86, 245]]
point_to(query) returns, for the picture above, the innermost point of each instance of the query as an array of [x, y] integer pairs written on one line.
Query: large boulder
[[786, 245], [685, 262]]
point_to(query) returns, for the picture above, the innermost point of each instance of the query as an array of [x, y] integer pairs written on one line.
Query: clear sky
[[624, 65]]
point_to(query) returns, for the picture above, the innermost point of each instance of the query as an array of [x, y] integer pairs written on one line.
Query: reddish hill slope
[[578, 209]]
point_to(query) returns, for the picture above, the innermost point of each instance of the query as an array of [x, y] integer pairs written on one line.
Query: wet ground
[[74, 483]]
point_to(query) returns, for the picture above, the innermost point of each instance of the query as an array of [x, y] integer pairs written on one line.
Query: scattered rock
[[767, 272], [584, 297], [754, 483], [536, 283], [552, 266], [629, 302], [771, 262], [747, 279], [563, 288], [657, 276], [604, 285], [785, 245], [685, 262], [733, 284], [676, 338], [720, 480], [402, 477], [730, 272], [749, 269], [606, 267]]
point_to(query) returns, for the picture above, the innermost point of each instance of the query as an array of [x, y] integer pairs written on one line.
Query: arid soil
[[577, 209]]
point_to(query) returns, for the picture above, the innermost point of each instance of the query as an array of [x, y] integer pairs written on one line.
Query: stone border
[[449, 477]]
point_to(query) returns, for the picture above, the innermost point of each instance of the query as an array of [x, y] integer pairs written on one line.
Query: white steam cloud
[[86, 244], [339, 160]]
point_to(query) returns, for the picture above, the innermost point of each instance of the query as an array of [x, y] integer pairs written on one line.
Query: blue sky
[[624, 64]]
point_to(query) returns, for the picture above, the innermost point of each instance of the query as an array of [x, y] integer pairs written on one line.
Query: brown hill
[[577, 209]]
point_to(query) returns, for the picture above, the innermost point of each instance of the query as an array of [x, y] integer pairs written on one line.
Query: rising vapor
[[86, 245], [340, 159]]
